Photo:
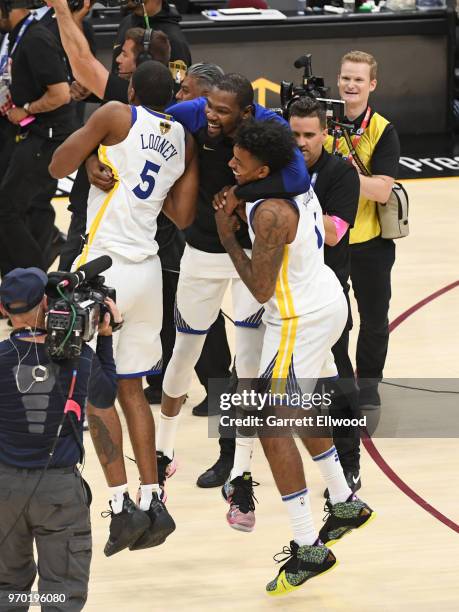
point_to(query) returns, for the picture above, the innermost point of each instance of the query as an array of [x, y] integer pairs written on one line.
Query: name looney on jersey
[[159, 144]]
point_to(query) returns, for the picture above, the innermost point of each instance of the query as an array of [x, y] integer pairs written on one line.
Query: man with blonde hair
[[376, 143]]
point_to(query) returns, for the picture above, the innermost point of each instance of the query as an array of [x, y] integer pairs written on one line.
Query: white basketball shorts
[[139, 297], [204, 278], [298, 351]]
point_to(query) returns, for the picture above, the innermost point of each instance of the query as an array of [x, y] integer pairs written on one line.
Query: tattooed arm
[[104, 433], [274, 226]]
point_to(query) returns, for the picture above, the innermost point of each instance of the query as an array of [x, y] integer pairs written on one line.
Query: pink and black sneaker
[[239, 494]]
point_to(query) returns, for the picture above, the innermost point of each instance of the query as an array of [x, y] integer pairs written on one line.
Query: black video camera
[[76, 307], [311, 87]]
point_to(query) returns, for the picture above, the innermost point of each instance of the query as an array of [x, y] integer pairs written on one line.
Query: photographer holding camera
[[377, 146], [35, 75], [43, 497]]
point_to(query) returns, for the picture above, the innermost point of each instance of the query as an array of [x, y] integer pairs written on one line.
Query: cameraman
[[44, 500], [372, 257], [38, 83]]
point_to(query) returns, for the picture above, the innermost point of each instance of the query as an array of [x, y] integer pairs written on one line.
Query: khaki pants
[[57, 520]]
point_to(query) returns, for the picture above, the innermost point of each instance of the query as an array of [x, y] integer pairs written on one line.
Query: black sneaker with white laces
[[353, 480], [161, 525], [126, 526]]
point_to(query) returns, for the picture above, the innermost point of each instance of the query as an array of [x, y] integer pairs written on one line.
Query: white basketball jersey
[[305, 284], [145, 165]]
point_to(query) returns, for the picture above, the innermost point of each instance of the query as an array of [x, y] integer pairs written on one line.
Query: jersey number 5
[[145, 189]]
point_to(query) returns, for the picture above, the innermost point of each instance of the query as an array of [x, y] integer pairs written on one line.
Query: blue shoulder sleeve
[[263, 114], [191, 114], [290, 181], [295, 176]]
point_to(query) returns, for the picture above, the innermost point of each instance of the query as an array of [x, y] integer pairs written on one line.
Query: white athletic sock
[[299, 508], [167, 431], [333, 475], [242, 457], [146, 493], [117, 497]]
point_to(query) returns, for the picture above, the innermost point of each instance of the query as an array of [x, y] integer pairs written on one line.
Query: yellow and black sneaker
[[343, 517], [303, 563]]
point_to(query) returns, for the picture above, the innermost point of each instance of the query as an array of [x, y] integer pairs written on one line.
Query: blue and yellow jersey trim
[[102, 153], [289, 318]]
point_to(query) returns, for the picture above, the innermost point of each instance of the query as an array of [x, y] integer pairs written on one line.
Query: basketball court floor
[[407, 559]]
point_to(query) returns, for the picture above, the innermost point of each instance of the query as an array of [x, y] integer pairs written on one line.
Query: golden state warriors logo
[[178, 70], [164, 127]]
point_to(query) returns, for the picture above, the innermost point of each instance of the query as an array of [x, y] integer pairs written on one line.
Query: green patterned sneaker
[[303, 563], [343, 517]]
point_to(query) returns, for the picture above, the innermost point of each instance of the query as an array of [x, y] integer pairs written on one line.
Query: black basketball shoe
[[216, 475], [303, 563], [343, 517], [161, 525], [166, 468], [125, 527]]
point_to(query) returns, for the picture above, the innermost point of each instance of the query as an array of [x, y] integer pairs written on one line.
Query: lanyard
[[314, 179], [24, 27], [5, 57], [3, 54], [361, 131]]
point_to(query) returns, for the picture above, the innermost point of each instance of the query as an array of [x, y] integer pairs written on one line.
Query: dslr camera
[[76, 307]]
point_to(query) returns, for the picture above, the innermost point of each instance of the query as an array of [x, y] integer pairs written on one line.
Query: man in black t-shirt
[[336, 184], [39, 87]]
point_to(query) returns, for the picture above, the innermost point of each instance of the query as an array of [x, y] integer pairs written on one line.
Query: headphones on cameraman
[[145, 55]]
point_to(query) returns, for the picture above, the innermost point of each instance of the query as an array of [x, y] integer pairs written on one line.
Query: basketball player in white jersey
[[305, 313], [153, 162]]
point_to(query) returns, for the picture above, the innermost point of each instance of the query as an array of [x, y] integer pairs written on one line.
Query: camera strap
[[352, 145], [354, 155]]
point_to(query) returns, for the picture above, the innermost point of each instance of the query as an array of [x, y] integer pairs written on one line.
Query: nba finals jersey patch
[[164, 127], [178, 70]]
